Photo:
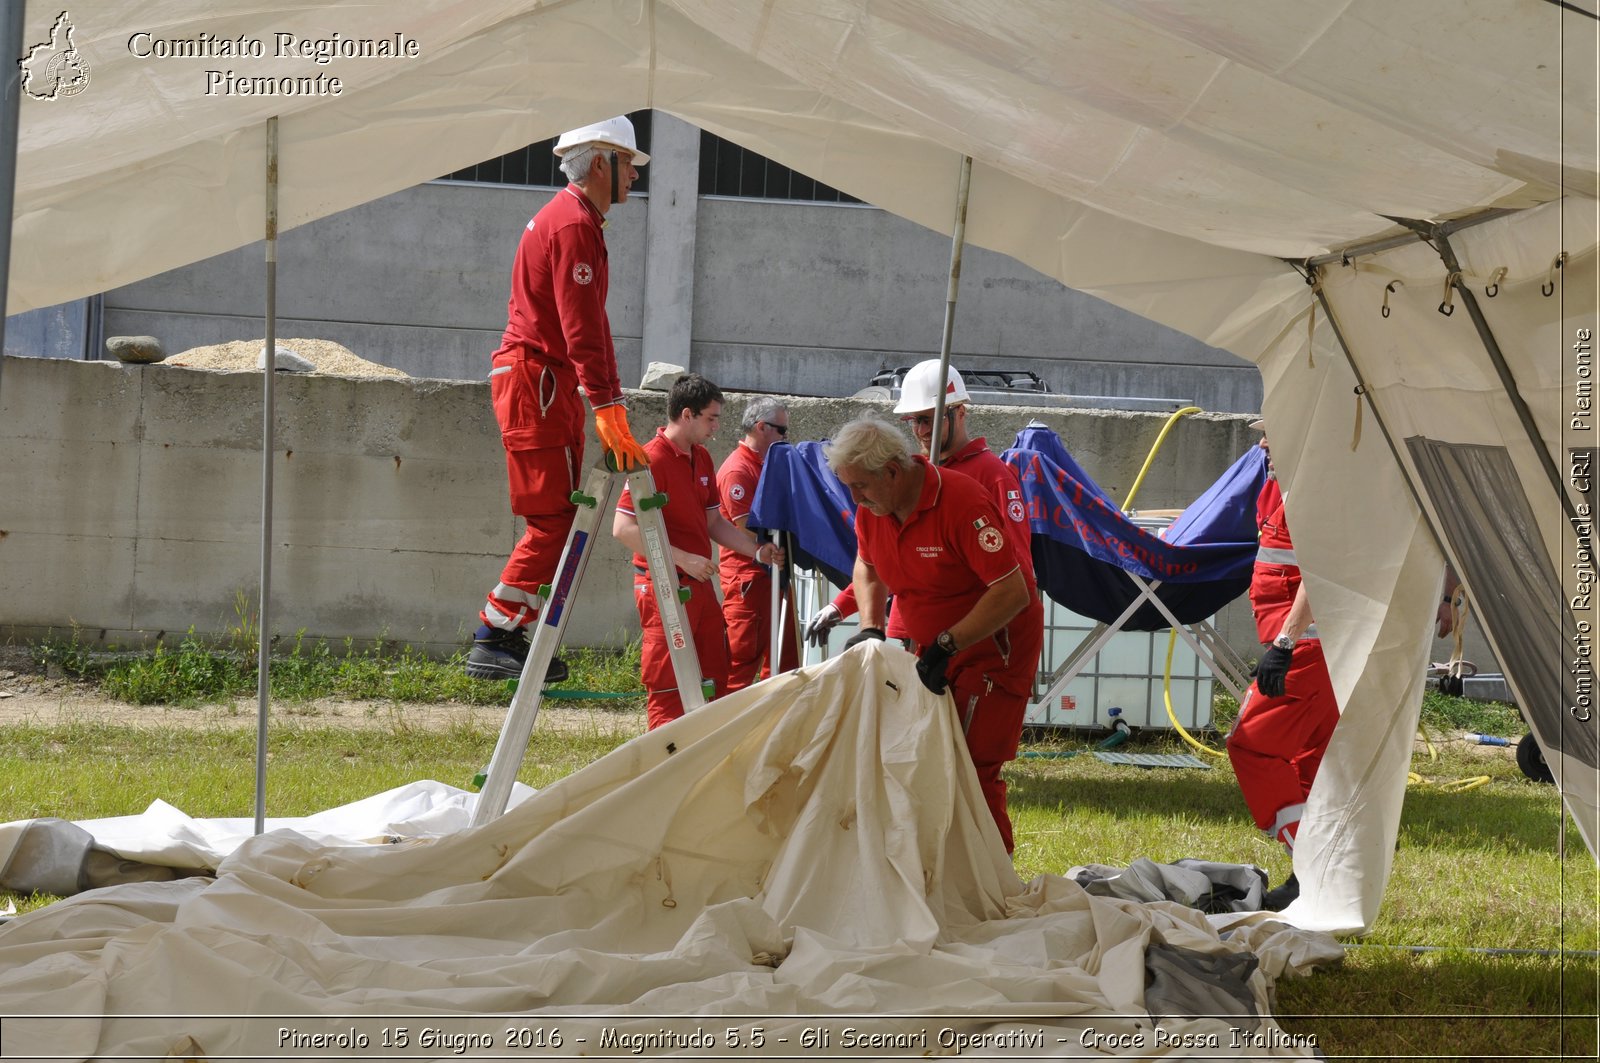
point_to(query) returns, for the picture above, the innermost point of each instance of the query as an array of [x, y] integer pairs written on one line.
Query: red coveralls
[[937, 565], [557, 336], [689, 482], [747, 584], [979, 462], [1277, 743]]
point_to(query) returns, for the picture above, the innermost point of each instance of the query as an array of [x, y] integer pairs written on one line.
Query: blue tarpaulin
[[800, 495], [1084, 545]]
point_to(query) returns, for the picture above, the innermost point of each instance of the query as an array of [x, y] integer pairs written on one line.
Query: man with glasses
[[960, 452], [557, 339], [936, 541], [746, 585], [684, 472]]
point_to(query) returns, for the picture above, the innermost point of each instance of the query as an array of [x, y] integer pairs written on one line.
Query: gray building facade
[[759, 294]]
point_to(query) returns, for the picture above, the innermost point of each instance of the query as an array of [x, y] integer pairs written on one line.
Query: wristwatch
[[1284, 642], [946, 642]]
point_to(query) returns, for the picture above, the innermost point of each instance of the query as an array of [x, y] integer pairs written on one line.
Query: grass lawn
[[1479, 951]]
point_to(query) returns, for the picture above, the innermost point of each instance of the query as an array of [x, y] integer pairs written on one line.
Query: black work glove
[[863, 635], [1272, 670], [930, 668]]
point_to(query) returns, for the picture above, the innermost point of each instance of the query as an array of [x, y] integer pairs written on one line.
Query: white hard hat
[[613, 133], [920, 389]]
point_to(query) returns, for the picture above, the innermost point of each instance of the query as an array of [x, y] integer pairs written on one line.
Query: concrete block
[[658, 376], [183, 583], [104, 401], [65, 576], [62, 486]]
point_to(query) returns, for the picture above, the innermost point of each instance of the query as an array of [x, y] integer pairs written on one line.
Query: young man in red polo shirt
[[959, 451], [747, 586], [936, 541], [683, 470], [557, 339]]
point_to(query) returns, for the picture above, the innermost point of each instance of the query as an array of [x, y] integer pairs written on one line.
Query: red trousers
[[1277, 743], [991, 695], [747, 606], [542, 482], [662, 704]]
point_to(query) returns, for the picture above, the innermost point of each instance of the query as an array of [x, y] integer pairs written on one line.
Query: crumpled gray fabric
[[1204, 884], [60, 858], [1183, 983]]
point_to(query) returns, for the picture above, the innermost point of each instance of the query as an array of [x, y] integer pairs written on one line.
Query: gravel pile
[[331, 359]]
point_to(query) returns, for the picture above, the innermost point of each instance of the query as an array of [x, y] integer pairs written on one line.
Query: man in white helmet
[[959, 452], [557, 339]]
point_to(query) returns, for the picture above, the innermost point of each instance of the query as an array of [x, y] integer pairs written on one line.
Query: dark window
[[537, 164], [726, 169]]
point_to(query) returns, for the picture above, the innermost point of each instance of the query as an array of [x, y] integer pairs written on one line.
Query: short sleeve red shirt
[[950, 550], [979, 462], [736, 483], [690, 484]]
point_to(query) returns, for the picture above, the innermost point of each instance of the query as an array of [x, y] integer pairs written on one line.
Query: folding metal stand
[[1213, 652], [595, 502]]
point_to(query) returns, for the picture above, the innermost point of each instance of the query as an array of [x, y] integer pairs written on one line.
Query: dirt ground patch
[[30, 695]]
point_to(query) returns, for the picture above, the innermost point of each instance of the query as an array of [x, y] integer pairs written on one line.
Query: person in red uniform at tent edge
[[557, 338], [919, 394], [1290, 711], [935, 540], [747, 586], [683, 471]]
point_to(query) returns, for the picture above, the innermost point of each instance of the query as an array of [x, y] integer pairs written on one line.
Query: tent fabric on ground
[[799, 494], [1084, 546], [1198, 164], [815, 844]]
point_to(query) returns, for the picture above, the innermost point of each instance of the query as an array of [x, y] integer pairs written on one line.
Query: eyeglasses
[[921, 420], [781, 429]]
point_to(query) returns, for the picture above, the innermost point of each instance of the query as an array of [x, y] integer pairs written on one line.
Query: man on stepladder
[[746, 585], [683, 471], [557, 338]]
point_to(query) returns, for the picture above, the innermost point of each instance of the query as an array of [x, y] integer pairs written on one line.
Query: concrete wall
[[130, 499], [762, 295]]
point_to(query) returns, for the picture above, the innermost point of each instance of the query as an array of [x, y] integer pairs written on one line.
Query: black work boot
[[1279, 898], [497, 654], [501, 654]]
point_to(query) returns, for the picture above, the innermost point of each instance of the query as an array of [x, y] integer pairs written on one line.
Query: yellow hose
[[1149, 460], [1450, 786], [1166, 693]]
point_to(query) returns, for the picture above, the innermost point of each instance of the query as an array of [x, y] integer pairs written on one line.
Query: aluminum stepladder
[[595, 503]]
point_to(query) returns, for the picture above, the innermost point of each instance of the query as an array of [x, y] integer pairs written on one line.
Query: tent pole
[[268, 415], [11, 30], [958, 240], [1377, 415], [1372, 247]]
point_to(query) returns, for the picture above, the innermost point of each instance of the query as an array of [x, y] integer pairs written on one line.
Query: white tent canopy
[[1180, 160]]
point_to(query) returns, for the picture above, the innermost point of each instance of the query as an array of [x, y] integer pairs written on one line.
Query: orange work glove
[[611, 424]]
